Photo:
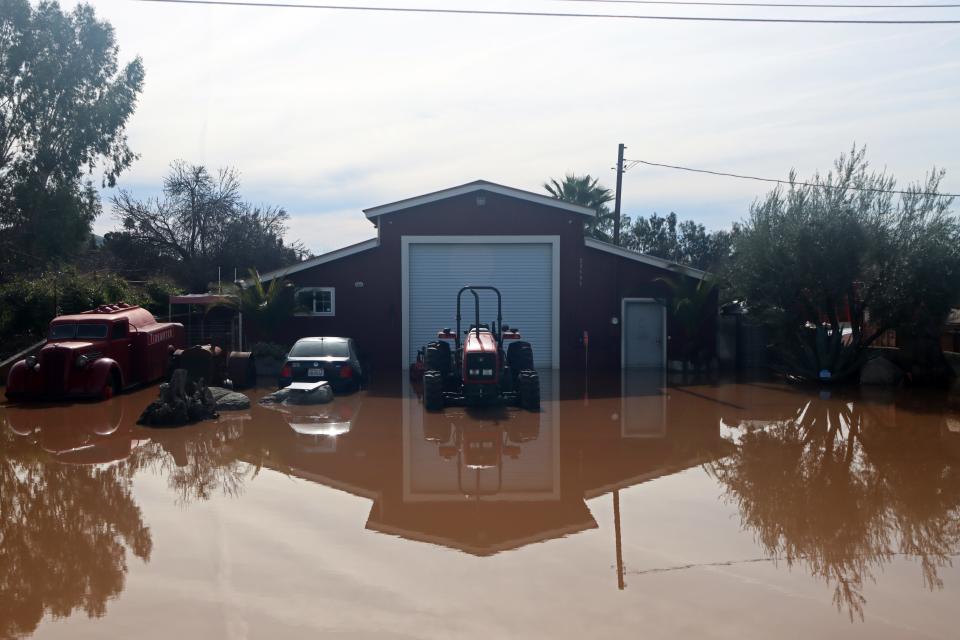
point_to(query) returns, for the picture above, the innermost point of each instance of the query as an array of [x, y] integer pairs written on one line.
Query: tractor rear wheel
[[528, 383], [438, 357], [433, 390], [520, 356]]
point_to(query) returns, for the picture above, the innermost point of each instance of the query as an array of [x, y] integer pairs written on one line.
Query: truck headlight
[[82, 361]]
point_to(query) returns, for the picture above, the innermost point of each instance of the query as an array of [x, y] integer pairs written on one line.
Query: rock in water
[[277, 397], [880, 371], [180, 402], [309, 393], [227, 400], [300, 393]]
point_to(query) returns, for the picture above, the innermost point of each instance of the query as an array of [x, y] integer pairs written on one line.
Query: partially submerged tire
[[520, 358], [112, 386], [528, 385], [437, 357], [433, 390]]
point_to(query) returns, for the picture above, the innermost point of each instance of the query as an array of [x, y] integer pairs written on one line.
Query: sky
[[325, 113]]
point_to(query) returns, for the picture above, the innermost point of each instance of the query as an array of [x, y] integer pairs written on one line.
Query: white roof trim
[[644, 258], [479, 185], [321, 259]]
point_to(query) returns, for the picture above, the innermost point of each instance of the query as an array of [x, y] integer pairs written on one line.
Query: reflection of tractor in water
[[477, 370], [478, 445]]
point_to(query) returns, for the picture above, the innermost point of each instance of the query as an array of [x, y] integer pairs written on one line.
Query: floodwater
[[627, 508]]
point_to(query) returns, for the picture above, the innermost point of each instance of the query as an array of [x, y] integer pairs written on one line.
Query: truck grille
[[53, 368]]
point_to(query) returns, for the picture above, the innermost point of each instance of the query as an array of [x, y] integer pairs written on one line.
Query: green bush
[[269, 350], [157, 292], [27, 305]]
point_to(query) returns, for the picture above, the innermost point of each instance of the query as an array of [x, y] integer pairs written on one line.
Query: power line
[[790, 5], [632, 163], [539, 14]]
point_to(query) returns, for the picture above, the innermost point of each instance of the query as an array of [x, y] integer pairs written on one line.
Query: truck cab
[[96, 354]]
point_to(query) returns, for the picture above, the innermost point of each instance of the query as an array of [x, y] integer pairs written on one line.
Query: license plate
[[315, 373]]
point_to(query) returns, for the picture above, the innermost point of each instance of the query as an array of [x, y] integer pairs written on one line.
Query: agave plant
[[821, 354]]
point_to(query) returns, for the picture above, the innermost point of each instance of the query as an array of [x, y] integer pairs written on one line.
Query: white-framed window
[[316, 301]]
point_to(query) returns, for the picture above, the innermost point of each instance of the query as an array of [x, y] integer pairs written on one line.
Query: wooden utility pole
[[616, 202]]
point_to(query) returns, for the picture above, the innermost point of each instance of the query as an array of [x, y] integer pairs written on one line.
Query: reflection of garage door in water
[[644, 341], [523, 272]]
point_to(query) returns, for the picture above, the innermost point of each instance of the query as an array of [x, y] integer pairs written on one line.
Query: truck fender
[[100, 372], [17, 378]]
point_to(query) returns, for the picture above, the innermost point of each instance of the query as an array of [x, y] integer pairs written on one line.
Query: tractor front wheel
[[433, 390], [528, 383]]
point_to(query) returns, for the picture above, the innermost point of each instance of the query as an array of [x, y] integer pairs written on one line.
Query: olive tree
[[848, 247]]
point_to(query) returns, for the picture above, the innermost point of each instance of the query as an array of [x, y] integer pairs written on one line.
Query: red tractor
[[477, 370]]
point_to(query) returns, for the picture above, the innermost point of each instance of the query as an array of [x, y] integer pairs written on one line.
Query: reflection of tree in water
[[64, 535], [841, 493], [200, 461]]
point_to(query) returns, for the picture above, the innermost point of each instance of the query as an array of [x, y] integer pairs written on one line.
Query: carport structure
[[208, 301]]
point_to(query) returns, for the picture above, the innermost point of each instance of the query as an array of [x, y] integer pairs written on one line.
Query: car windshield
[[71, 330], [320, 349]]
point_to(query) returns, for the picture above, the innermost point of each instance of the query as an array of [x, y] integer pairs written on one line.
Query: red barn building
[[392, 293]]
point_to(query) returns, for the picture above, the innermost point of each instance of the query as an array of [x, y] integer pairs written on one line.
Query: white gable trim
[[321, 259], [479, 185], [653, 261]]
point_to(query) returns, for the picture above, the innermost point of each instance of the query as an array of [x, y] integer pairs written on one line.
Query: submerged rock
[[320, 395], [181, 402], [227, 400], [277, 397], [300, 393]]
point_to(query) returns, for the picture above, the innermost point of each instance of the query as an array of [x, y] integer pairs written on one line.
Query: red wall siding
[[607, 279], [369, 314], [591, 282]]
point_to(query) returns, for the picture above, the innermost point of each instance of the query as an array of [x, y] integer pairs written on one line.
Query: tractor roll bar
[[476, 301]]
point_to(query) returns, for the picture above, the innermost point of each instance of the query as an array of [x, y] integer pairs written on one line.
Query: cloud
[[326, 113]]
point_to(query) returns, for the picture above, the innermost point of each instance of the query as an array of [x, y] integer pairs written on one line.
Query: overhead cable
[[788, 5], [544, 14], [632, 163]]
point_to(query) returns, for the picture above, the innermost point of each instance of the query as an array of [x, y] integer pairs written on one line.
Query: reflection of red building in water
[[500, 479]]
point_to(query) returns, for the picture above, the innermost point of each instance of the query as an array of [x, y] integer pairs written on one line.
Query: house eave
[[473, 187], [330, 256], [653, 261]]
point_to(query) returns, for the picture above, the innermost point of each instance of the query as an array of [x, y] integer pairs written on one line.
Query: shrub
[[27, 305]]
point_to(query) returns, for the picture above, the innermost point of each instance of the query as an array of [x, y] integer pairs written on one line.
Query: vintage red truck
[[97, 354]]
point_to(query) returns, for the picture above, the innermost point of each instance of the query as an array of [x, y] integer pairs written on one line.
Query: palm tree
[[586, 191], [264, 306]]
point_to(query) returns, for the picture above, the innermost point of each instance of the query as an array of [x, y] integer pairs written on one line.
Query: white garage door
[[522, 272]]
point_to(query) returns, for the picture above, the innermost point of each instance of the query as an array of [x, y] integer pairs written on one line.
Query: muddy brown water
[[626, 508]]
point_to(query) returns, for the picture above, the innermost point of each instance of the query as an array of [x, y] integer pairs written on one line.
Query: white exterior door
[[522, 271], [644, 335]]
